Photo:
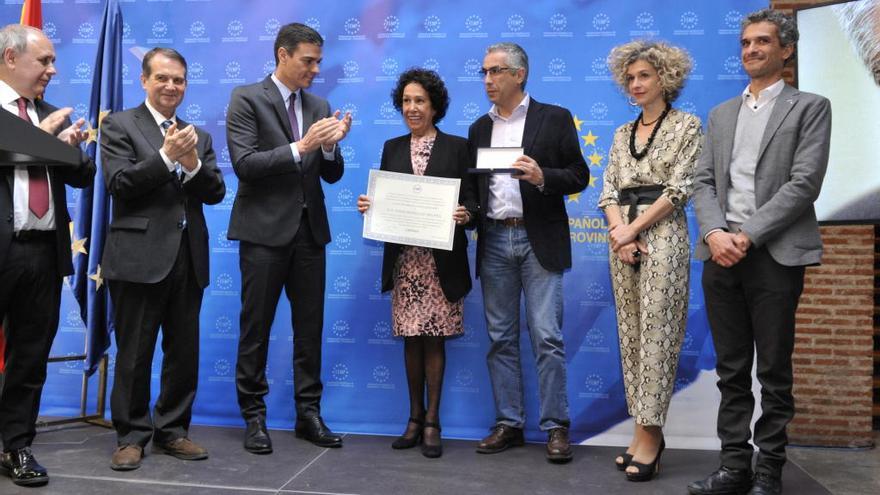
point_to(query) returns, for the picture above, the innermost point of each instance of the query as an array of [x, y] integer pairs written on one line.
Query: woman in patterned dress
[[427, 285], [646, 186]]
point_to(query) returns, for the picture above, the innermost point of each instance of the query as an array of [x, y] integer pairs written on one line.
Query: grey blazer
[[792, 160]]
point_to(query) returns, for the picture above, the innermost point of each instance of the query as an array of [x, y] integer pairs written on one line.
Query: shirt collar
[[8, 96], [519, 110], [285, 91], [158, 117], [766, 94]]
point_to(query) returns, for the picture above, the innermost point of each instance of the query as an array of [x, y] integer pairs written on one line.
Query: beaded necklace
[[638, 155]]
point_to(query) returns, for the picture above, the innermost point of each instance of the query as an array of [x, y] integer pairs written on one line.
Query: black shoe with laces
[[766, 484], [23, 468]]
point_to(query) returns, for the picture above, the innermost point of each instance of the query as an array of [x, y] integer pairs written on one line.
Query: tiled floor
[[77, 458]]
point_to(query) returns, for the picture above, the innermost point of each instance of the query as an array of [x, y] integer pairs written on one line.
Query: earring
[[632, 101]]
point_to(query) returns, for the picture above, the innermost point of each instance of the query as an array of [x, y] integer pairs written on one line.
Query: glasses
[[494, 71]]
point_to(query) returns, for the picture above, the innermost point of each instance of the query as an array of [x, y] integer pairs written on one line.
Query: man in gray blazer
[[760, 172], [283, 143]]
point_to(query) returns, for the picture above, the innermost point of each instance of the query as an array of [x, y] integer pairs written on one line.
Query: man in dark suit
[[523, 246], [160, 171], [34, 246], [283, 142], [760, 172]]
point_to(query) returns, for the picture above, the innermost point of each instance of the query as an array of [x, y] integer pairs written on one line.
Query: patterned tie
[[38, 181], [291, 114], [166, 125]]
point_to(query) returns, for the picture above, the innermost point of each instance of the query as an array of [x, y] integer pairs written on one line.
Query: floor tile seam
[[283, 488], [163, 483], [803, 470]]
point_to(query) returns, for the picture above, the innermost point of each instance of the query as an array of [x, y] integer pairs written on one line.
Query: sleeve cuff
[[706, 237], [168, 163], [187, 175], [295, 150], [331, 155]]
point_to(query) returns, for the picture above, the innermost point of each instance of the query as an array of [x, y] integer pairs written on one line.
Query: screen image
[[839, 58]]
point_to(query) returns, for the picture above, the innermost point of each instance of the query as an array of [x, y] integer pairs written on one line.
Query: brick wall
[[834, 357], [834, 347]]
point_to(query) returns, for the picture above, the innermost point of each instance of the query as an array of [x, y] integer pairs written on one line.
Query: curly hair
[[671, 63], [432, 84]]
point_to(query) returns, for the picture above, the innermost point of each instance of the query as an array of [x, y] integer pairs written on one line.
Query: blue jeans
[[507, 269]]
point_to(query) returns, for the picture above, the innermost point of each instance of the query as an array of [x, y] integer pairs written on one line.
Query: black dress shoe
[[431, 450], [645, 472], [408, 442], [766, 484], [314, 430], [23, 468], [256, 437], [724, 481]]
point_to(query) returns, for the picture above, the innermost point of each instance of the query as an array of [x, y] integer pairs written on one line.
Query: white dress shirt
[[23, 218], [505, 200]]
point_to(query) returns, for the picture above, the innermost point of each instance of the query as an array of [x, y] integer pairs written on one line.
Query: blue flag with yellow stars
[[89, 226]]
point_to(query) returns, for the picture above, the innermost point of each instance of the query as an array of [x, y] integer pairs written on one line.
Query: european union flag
[[93, 206]]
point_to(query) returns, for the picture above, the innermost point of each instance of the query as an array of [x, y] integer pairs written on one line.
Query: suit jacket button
[[179, 225], [9, 218]]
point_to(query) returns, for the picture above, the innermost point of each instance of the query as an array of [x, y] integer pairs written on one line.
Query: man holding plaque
[[523, 244]]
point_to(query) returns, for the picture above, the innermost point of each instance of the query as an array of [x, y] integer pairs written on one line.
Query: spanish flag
[[32, 14]]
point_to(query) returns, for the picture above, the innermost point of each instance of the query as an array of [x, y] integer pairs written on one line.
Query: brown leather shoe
[[182, 448], [502, 438], [558, 446], [127, 458]]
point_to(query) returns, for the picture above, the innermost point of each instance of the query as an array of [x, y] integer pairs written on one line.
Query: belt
[[642, 195], [508, 222], [34, 235]]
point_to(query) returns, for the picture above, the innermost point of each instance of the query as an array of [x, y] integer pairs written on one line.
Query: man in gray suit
[[760, 172]]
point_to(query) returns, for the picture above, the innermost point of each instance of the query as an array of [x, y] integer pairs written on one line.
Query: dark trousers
[[751, 306], [30, 294], [139, 310], [299, 268]]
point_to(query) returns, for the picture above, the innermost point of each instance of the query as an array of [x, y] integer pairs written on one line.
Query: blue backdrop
[[368, 43]]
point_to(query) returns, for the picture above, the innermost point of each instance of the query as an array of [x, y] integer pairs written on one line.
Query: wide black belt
[[642, 195]]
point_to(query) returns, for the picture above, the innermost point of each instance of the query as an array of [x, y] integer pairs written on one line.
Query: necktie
[[38, 181], [291, 114], [166, 125]]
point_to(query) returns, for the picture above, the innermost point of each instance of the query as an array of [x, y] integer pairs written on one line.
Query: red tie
[[38, 181]]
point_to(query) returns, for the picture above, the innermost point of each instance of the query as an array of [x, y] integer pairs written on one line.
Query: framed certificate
[[496, 160], [415, 210]]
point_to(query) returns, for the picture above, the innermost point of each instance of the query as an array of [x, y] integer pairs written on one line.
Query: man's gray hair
[[516, 57], [785, 24], [15, 36], [858, 22]]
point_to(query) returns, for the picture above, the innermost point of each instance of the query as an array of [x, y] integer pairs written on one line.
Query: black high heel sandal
[[627, 458], [405, 442], [646, 471], [431, 451]]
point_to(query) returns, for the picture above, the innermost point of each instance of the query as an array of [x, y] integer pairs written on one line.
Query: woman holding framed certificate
[[427, 285]]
